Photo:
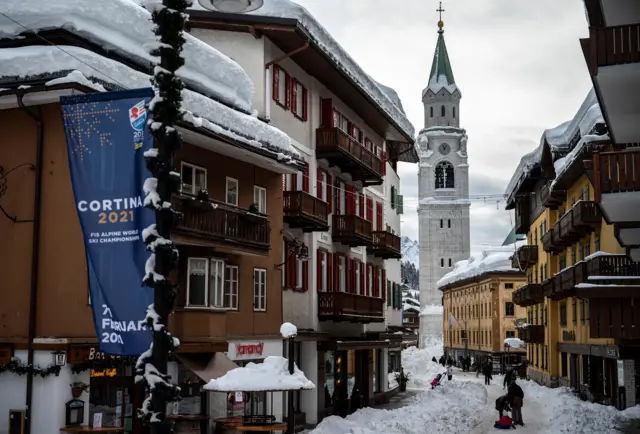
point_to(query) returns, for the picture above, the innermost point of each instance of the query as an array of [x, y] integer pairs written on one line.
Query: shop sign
[[110, 372], [325, 237], [87, 354], [249, 350]]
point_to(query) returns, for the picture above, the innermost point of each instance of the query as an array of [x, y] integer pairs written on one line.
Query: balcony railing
[[616, 172], [220, 223], [386, 245], [548, 287], [550, 240], [529, 295], [608, 46], [552, 198], [342, 306], [525, 257], [342, 150], [532, 334], [580, 220], [351, 230], [306, 212]]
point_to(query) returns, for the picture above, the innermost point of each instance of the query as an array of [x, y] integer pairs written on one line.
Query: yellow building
[[479, 313], [572, 256]]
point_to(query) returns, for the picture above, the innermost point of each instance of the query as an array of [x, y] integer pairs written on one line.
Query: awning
[[206, 366]]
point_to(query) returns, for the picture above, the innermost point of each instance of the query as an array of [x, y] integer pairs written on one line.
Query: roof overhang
[[609, 13], [288, 35], [39, 94], [525, 185], [480, 278]]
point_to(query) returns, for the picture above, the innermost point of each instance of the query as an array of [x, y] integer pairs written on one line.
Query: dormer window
[[442, 111]]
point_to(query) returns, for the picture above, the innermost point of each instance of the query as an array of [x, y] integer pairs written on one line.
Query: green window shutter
[[389, 293], [393, 197], [400, 207], [398, 297]]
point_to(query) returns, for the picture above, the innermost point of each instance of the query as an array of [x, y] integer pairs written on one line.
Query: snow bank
[[417, 362], [270, 375], [570, 415], [493, 259], [201, 111], [125, 28], [454, 407], [332, 49]]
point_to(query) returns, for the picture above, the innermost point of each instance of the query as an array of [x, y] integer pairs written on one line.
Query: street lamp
[[231, 6]]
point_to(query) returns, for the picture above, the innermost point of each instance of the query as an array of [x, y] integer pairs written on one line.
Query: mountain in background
[[409, 263]]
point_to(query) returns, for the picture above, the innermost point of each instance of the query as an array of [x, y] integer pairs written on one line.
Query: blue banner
[[106, 140]]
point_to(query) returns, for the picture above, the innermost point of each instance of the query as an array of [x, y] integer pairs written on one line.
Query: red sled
[[505, 422]]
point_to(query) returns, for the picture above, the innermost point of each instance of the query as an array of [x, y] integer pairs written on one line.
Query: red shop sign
[[249, 349]]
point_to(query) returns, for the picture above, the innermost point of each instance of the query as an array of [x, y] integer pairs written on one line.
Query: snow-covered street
[[466, 405]]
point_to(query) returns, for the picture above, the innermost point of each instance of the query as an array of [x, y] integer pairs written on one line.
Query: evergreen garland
[[17, 367], [166, 111]]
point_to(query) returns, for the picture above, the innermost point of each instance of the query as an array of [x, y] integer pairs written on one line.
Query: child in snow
[[505, 422], [449, 372], [436, 381]]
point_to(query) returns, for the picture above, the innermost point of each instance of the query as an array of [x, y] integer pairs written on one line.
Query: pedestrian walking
[[516, 400], [478, 369], [487, 370], [508, 378], [449, 372], [434, 359]]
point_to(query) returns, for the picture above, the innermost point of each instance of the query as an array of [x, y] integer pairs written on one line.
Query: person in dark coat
[[502, 405], [508, 378], [487, 370], [516, 400], [434, 359], [441, 361]]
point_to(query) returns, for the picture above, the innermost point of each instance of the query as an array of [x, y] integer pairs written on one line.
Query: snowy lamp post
[[289, 332]]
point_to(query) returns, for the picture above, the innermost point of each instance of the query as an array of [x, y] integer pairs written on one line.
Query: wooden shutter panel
[[319, 183], [375, 281], [336, 273], [319, 270], [400, 204], [287, 92], [305, 104], [326, 111], [349, 264], [379, 216], [329, 272], [305, 178], [351, 200], [362, 205], [329, 196], [362, 278], [369, 216], [390, 293], [383, 279], [305, 275], [276, 83], [294, 95]]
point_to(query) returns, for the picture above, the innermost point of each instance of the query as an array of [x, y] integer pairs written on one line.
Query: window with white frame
[[194, 178], [370, 281], [358, 204], [380, 276], [323, 259], [342, 267], [281, 97], [341, 188], [300, 95], [299, 276], [260, 198], [205, 283], [231, 287], [323, 187], [259, 289], [232, 191]]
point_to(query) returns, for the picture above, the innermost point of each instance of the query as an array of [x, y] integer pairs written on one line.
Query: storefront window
[[374, 371], [190, 383], [110, 395], [351, 372], [329, 378]]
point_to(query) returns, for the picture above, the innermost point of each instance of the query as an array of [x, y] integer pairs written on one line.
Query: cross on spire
[[440, 22]]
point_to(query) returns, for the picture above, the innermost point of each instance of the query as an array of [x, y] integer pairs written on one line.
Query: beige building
[[479, 314]]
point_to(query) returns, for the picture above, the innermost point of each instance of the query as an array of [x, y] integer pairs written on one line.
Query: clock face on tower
[[444, 148]]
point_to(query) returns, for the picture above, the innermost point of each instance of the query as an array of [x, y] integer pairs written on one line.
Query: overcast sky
[[518, 64]]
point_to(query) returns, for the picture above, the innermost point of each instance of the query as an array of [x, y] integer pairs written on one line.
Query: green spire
[[441, 71]]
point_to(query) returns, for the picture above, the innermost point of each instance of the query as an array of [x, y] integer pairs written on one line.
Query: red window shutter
[[384, 163], [384, 285], [362, 205], [287, 92], [294, 94], [349, 262], [305, 104], [379, 216], [329, 272], [329, 196], [362, 278], [319, 183], [305, 178], [350, 202], [326, 113], [369, 210], [318, 270], [305, 276], [276, 82], [376, 282]]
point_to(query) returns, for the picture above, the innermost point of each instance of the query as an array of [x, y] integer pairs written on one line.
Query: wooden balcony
[[548, 288], [342, 150], [607, 276], [342, 306], [522, 215], [615, 172], [351, 230], [386, 245], [306, 212], [528, 295], [567, 283], [532, 334], [220, 225], [609, 46], [580, 220], [550, 240], [552, 198], [525, 257]]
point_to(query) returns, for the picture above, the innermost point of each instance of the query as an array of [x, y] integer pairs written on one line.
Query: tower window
[[449, 223], [442, 111], [441, 223], [431, 111], [444, 175], [454, 112], [449, 262], [442, 262]]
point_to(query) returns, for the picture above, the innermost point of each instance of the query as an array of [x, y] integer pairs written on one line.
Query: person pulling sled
[[504, 421]]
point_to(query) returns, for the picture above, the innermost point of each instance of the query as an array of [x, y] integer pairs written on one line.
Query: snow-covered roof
[[490, 260], [514, 343], [332, 49], [270, 375], [220, 99], [441, 76], [560, 139], [392, 94]]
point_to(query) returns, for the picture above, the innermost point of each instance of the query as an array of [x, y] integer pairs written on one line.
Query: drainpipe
[[35, 255], [267, 78]]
